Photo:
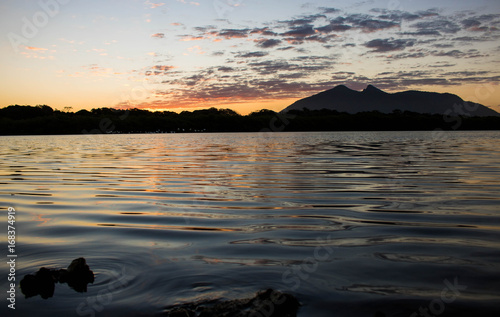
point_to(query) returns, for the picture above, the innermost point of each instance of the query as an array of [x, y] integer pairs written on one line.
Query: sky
[[245, 55]]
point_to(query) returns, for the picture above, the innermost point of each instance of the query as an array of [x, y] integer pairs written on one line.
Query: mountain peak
[[343, 99], [372, 89], [341, 88]]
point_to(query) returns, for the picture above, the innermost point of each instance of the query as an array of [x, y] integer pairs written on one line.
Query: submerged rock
[[77, 276], [42, 283], [268, 303]]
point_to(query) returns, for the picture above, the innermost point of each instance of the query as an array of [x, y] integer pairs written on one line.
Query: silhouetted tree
[[42, 119]]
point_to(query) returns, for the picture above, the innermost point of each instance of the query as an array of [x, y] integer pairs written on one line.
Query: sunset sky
[[242, 54]]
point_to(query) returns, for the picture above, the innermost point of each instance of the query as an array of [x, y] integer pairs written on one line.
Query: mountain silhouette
[[343, 99]]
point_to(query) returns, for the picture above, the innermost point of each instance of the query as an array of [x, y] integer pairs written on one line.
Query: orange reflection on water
[[40, 218], [166, 227]]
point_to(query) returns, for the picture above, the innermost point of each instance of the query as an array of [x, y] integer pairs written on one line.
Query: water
[[350, 223]]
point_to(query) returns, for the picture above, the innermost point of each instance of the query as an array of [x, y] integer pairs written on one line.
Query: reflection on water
[[169, 219]]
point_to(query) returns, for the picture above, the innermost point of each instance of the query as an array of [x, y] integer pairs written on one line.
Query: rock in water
[[77, 276], [270, 303], [42, 283]]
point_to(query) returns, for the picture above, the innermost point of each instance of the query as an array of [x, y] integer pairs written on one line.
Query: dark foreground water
[[349, 223]]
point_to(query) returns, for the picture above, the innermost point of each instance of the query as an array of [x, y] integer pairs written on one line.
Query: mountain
[[343, 99]]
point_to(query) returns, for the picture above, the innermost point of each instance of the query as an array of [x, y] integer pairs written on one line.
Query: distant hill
[[343, 99]]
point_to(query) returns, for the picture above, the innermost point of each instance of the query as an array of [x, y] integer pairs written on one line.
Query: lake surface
[[350, 223]]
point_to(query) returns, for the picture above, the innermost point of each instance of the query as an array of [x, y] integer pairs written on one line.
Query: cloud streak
[[388, 45], [158, 35]]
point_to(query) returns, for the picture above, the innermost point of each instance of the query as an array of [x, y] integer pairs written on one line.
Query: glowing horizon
[[244, 55]]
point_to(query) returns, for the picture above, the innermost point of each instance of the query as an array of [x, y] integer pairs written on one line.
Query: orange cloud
[[191, 38], [31, 48], [192, 2], [37, 52], [158, 70], [196, 48], [158, 35], [155, 5]]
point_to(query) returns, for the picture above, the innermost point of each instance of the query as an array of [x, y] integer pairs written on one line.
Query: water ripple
[[335, 218]]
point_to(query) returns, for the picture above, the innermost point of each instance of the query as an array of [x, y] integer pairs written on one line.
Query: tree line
[[42, 119]]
